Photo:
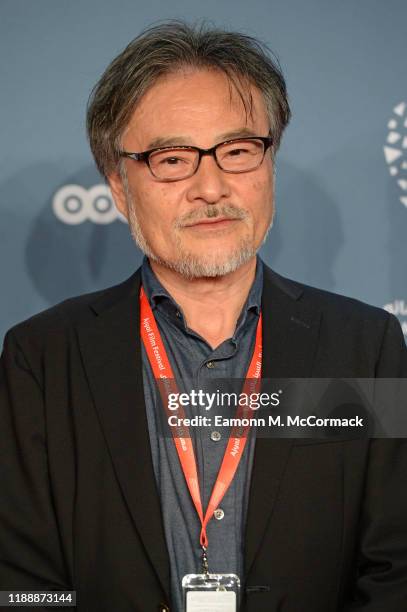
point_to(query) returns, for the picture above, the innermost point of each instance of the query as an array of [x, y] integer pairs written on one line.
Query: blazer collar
[[290, 340], [290, 328], [111, 352]]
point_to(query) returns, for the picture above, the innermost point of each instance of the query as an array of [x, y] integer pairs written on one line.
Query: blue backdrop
[[341, 221]]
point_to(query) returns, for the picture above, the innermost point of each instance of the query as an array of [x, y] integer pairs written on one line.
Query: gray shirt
[[196, 365]]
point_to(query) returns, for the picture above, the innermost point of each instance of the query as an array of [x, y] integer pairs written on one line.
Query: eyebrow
[[173, 141]]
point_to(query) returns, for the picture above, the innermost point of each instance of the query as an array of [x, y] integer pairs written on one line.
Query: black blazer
[[327, 520]]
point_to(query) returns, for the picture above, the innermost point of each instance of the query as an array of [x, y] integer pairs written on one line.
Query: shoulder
[[360, 337], [60, 320], [332, 305]]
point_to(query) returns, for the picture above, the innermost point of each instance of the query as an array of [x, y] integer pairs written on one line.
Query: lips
[[213, 221]]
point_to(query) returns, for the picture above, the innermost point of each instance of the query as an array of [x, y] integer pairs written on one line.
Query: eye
[[237, 152], [172, 158], [172, 161]]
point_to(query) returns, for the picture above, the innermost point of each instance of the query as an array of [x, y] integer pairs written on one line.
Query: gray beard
[[188, 264]]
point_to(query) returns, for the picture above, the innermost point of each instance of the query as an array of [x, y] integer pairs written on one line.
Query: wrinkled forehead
[[189, 101]]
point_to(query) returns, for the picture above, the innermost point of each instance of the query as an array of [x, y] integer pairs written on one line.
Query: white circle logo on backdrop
[[399, 309], [395, 154], [395, 150], [73, 204]]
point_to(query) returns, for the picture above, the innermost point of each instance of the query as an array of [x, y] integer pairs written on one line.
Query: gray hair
[[169, 47]]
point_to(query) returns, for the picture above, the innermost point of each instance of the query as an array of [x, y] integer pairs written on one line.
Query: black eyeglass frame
[[144, 156]]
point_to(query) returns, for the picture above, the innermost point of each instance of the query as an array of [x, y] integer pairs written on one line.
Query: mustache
[[226, 211]]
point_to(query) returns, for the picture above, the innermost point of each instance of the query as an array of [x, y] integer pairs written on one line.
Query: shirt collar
[[153, 289], [160, 299]]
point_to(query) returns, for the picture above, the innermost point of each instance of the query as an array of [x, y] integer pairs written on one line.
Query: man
[[185, 124]]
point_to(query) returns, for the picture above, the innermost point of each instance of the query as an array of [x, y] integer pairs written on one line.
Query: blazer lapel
[[290, 338], [111, 352]]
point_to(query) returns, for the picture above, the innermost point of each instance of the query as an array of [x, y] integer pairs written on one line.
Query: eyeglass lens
[[177, 163]]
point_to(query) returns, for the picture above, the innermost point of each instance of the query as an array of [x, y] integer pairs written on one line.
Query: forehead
[[195, 106]]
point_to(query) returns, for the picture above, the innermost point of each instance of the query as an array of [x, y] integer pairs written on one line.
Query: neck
[[211, 306]]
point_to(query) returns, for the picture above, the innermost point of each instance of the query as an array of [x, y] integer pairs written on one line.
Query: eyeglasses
[[181, 162]]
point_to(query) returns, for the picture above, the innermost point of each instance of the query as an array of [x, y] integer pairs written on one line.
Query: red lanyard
[[160, 364]]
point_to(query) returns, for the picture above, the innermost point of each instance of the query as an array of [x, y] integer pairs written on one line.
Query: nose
[[209, 183]]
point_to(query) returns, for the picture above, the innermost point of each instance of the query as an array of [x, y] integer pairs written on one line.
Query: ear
[[119, 196]]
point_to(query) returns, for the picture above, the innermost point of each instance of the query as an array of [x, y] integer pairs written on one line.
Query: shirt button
[[219, 514], [215, 436], [210, 364]]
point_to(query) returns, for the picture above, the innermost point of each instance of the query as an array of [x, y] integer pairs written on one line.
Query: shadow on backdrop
[[307, 234], [66, 260]]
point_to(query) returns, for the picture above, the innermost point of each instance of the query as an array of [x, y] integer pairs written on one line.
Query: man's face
[[212, 222]]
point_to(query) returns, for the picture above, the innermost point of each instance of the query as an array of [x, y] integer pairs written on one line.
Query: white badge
[[211, 601], [210, 592]]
